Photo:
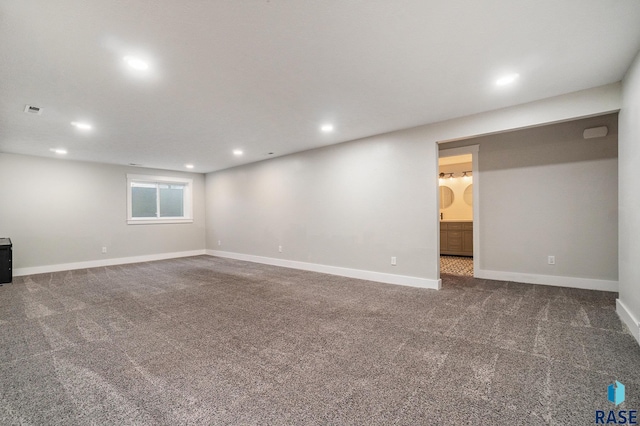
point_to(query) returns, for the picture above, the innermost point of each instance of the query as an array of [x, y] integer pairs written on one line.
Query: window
[[158, 199]]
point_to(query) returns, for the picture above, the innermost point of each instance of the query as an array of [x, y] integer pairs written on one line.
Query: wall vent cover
[[30, 109], [595, 132]]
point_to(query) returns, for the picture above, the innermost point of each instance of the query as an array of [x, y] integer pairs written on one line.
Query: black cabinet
[[5, 260]]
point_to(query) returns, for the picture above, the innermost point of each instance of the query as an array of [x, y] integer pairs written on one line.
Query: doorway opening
[[457, 178]]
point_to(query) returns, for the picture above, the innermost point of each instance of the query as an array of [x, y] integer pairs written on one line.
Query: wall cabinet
[[456, 238]]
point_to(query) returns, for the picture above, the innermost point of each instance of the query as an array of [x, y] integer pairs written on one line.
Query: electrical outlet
[[219, 242], [551, 260], [393, 260], [280, 249], [104, 250]]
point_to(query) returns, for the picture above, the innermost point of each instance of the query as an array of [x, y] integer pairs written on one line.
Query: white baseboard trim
[[18, 272], [584, 283], [334, 270], [627, 317]]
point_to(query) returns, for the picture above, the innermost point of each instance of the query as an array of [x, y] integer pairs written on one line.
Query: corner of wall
[[628, 319], [629, 198]]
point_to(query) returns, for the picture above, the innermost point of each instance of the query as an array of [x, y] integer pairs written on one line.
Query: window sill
[[157, 221]]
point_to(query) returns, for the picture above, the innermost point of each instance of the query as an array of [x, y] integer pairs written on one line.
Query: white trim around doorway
[[473, 150]]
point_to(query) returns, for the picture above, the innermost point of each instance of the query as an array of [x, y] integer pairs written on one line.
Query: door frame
[[452, 152]]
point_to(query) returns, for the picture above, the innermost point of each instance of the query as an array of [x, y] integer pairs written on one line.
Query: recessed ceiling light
[[136, 63], [60, 151], [237, 152], [507, 79], [189, 166], [81, 126], [327, 128]]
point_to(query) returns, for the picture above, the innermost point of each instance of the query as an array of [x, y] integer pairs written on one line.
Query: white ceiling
[[263, 76]]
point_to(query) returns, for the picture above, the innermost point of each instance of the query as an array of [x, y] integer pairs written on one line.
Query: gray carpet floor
[[204, 340]]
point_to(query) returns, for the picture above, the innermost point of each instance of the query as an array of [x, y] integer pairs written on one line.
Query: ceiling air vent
[[30, 109]]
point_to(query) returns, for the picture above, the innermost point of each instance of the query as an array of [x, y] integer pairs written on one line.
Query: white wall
[[547, 191], [344, 206], [629, 163], [356, 204], [60, 212], [349, 206]]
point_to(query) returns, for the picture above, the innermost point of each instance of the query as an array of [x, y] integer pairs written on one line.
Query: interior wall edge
[[628, 319], [629, 196]]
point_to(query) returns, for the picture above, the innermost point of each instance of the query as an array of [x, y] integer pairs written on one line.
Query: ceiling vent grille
[[30, 109]]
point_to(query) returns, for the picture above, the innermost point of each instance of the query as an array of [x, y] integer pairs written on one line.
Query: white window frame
[[187, 200]]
